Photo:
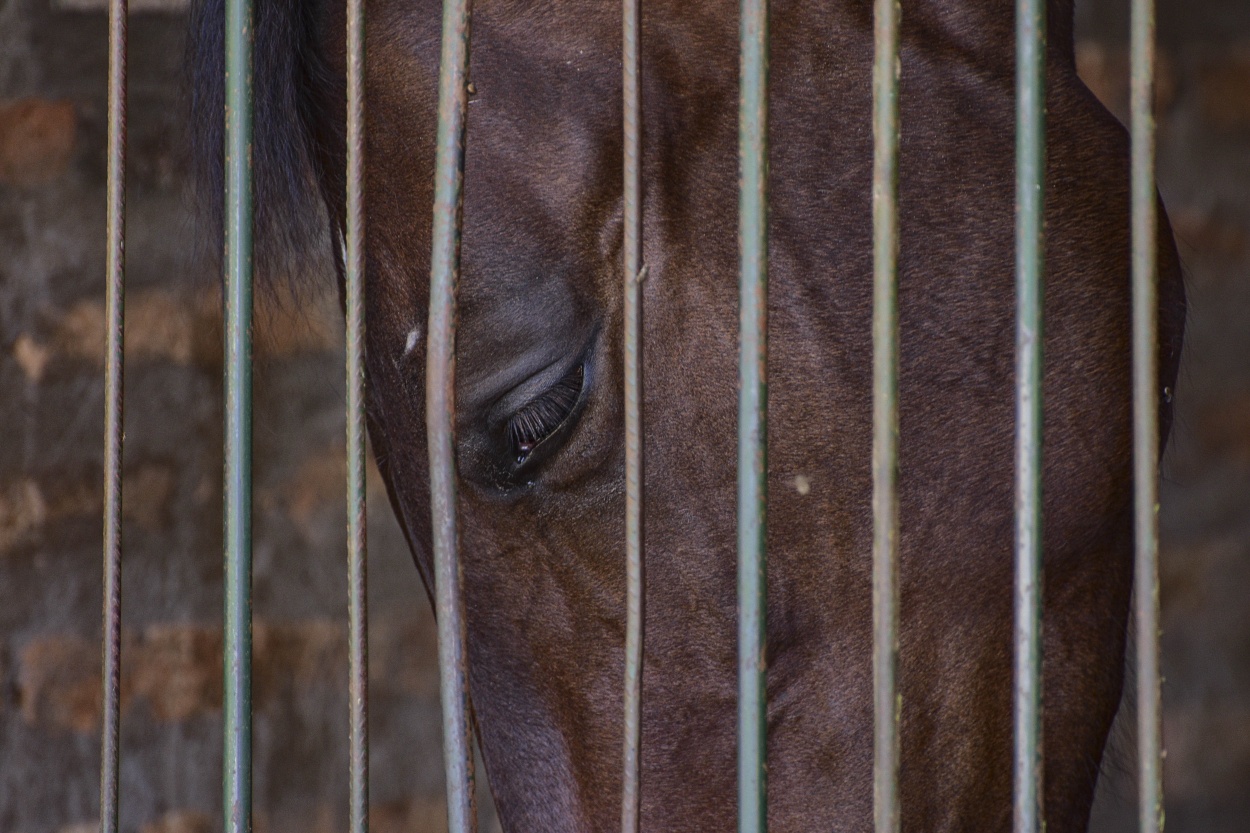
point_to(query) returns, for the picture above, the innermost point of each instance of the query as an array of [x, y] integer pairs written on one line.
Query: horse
[[539, 388]]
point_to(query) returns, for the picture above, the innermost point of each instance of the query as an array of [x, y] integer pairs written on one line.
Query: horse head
[[540, 449]]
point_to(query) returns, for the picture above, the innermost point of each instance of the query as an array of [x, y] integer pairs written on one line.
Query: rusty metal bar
[[1030, 269], [1146, 419], [753, 420], [440, 409], [631, 793], [357, 551], [885, 338], [110, 754], [237, 776]]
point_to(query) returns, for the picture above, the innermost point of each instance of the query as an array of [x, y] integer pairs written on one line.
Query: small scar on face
[[413, 338]]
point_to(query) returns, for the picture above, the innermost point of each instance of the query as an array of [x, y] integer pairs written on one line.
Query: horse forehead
[[536, 41], [545, 32]]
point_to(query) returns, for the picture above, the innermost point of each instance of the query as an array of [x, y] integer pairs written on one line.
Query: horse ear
[[290, 226]]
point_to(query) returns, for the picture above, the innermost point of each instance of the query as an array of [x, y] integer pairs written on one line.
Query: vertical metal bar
[[110, 756], [1030, 267], [631, 792], [357, 576], [753, 420], [440, 409], [885, 337], [1146, 420], [237, 793]]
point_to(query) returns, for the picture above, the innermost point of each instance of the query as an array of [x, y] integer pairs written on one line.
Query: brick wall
[[52, 127], [52, 112]]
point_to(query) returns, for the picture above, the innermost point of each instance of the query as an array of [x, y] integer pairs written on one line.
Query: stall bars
[[752, 433]]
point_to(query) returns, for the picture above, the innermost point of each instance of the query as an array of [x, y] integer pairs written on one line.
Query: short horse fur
[[540, 317]]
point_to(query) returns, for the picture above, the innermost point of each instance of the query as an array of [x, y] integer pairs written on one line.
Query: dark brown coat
[[539, 296]]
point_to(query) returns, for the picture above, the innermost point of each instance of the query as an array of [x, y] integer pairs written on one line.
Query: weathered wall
[[52, 97], [1204, 175], [52, 123]]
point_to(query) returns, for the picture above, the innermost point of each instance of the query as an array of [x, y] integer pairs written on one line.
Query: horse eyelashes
[[542, 417]]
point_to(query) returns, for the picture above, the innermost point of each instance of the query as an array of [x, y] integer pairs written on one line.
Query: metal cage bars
[[885, 347], [752, 465], [753, 419], [237, 768], [1030, 270], [113, 434], [1146, 397], [633, 274], [354, 295], [440, 408]]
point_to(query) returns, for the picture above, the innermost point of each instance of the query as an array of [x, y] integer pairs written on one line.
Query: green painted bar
[[357, 551], [753, 420], [237, 788], [440, 408], [1030, 268], [1146, 419], [110, 754], [885, 339], [634, 272]]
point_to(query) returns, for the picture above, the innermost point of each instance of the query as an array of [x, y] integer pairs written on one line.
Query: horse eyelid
[[543, 416]]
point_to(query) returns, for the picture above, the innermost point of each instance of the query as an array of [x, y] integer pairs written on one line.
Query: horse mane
[[290, 82]]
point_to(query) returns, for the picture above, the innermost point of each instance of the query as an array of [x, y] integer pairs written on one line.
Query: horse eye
[[538, 420]]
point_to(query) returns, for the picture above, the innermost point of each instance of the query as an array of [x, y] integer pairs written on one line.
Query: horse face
[[539, 417], [538, 390], [538, 398]]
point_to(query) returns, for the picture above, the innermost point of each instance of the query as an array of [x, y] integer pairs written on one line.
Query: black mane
[[291, 82]]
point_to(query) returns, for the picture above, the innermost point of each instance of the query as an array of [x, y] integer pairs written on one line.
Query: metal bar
[[1146, 420], [753, 420], [237, 793], [631, 806], [1030, 268], [440, 409], [110, 755], [357, 561], [885, 338]]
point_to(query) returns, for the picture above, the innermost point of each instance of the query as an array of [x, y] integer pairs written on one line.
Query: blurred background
[[53, 63]]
